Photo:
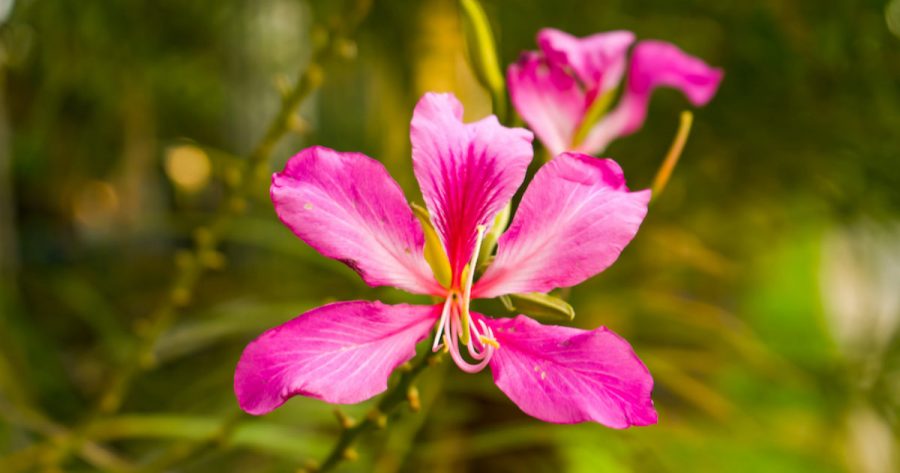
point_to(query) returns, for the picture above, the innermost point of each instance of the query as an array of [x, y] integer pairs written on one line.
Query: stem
[[377, 417], [8, 245], [60, 439], [668, 165]]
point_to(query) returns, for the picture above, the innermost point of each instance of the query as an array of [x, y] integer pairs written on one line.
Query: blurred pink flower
[[564, 90], [574, 220]]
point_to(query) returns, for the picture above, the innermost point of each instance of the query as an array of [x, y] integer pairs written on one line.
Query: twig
[[193, 263], [377, 417], [59, 439]]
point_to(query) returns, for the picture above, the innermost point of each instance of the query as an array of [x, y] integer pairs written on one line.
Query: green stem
[[671, 159], [389, 402]]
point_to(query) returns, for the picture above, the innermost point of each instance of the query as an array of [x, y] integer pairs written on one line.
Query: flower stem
[[677, 146], [394, 397]]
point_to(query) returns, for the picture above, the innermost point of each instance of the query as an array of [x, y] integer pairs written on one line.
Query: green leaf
[[539, 306]]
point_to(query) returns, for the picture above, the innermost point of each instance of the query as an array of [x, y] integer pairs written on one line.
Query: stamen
[[445, 313], [473, 351], [467, 291], [454, 325], [464, 365]]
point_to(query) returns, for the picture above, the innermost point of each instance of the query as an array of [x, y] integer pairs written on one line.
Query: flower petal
[[467, 172], [598, 60], [548, 99], [567, 375], [653, 64], [341, 353], [347, 207], [575, 218]]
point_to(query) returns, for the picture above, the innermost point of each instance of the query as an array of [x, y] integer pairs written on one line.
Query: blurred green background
[[763, 290]]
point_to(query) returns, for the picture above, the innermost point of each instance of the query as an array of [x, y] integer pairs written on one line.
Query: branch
[[402, 392]]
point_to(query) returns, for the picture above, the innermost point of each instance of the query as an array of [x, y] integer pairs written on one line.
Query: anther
[[489, 341]]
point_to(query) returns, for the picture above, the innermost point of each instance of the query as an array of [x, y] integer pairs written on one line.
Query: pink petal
[[548, 99], [347, 206], [467, 172], [598, 60], [341, 353], [653, 64], [566, 375], [575, 218]]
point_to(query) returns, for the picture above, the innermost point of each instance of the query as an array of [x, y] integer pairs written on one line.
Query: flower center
[[455, 324]]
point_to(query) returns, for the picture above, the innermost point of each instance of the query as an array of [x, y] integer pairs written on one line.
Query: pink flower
[[564, 90], [574, 220]]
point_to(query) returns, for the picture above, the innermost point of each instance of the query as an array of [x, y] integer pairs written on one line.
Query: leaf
[[539, 306]]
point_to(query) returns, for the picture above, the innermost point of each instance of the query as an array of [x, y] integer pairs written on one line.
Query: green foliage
[[724, 293]]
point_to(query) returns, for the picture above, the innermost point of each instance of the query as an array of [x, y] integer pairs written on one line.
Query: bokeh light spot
[[95, 204], [188, 167]]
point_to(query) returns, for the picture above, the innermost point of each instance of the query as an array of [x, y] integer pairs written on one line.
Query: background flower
[[565, 91]]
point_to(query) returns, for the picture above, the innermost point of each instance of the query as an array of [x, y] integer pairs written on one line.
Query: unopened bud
[[184, 258], [345, 421], [204, 237], [412, 395], [350, 454], [212, 259], [436, 358], [297, 124], [181, 296], [345, 48], [377, 418], [283, 85], [314, 75]]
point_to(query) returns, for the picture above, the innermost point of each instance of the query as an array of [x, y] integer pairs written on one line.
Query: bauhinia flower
[[564, 91], [573, 221]]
